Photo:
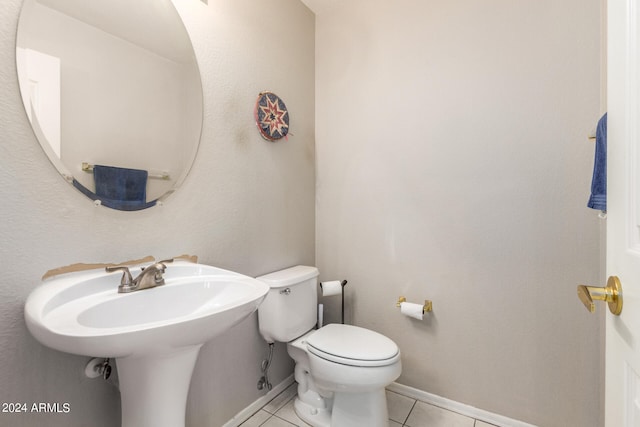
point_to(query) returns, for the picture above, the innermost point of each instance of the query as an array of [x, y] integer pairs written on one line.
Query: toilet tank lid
[[289, 276]]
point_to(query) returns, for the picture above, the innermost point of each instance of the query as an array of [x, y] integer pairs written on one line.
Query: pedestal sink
[[154, 334]]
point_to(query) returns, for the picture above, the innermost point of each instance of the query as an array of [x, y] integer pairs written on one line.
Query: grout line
[[286, 421], [409, 414], [265, 421]]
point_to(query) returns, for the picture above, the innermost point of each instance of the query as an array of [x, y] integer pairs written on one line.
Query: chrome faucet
[[149, 277]]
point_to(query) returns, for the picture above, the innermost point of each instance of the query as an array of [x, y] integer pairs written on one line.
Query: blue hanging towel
[[598, 199], [120, 184], [114, 204]]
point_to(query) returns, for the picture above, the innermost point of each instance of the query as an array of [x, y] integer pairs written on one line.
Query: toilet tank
[[291, 306]]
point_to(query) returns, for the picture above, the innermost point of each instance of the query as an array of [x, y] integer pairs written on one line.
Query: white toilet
[[341, 370]]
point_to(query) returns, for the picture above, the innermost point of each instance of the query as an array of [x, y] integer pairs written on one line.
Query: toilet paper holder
[[343, 283], [427, 307]]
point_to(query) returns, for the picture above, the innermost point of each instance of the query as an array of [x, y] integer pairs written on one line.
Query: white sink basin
[[153, 330], [83, 313]]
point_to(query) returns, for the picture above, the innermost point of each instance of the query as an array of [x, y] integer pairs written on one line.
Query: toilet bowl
[[343, 374], [341, 370]]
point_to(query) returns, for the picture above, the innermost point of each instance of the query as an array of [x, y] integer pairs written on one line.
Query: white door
[[622, 408], [42, 103]]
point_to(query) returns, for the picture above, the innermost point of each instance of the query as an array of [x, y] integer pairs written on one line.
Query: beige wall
[[453, 164], [248, 205]]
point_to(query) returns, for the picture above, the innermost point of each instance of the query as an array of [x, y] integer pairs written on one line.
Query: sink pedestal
[[154, 387]]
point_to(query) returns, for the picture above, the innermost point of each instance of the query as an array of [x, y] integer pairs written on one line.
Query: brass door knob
[[612, 294]]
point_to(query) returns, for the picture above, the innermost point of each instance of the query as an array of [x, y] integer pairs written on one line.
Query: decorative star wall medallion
[[272, 117]]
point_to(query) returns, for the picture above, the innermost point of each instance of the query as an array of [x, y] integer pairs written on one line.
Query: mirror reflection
[[113, 93]]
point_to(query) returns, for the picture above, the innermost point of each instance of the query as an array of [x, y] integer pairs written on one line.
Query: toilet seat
[[353, 346]]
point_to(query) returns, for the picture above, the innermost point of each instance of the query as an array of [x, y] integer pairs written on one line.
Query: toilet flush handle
[[286, 291]]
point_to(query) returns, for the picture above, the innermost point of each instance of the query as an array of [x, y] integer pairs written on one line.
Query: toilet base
[[349, 410], [316, 417]]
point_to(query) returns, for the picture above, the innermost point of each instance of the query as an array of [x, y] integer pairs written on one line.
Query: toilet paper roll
[[333, 287], [412, 310]]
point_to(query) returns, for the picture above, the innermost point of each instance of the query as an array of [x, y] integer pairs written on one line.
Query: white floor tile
[[288, 413], [277, 422], [257, 419], [394, 424], [424, 415], [280, 400], [399, 406]]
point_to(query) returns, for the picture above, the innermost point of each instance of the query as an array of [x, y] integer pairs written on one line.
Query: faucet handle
[[157, 270], [166, 261], [160, 267], [126, 279]]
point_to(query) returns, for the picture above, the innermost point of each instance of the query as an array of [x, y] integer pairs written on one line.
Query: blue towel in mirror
[[598, 199], [120, 184], [114, 204]]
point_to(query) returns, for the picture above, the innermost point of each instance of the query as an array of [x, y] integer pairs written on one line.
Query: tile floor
[[403, 411]]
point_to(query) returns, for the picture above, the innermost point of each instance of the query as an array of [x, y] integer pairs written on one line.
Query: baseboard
[[458, 407], [247, 412]]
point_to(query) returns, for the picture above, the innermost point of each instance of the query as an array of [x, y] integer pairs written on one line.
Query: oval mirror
[[113, 94]]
